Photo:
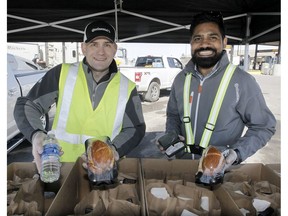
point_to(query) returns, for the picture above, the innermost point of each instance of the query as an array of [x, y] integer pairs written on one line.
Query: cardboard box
[[77, 186], [275, 167], [73, 184], [175, 172], [185, 170], [257, 172], [28, 170]]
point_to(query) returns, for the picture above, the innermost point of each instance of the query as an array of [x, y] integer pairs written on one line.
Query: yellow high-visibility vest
[[75, 120], [218, 100]]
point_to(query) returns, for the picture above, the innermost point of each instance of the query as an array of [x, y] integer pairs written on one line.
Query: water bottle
[[50, 159]]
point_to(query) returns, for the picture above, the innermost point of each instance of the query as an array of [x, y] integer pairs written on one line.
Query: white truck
[[152, 74]]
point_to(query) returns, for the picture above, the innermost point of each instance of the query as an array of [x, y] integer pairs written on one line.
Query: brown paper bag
[[90, 203], [126, 192], [188, 193], [243, 187], [29, 199], [122, 207], [243, 201], [121, 200], [264, 187], [157, 206], [236, 176]]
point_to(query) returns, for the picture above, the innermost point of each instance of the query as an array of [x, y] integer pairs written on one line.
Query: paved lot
[[271, 153], [154, 114]]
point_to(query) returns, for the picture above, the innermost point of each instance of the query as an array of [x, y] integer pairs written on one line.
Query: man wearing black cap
[[212, 101], [93, 100]]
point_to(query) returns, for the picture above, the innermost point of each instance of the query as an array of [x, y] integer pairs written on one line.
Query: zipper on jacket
[[191, 100], [197, 105], [95, 87], [200, 86]]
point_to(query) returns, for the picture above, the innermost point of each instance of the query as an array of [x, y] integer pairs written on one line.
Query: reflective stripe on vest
[[187, 111], [118, 105], [60, 130], [218, 100], [122, 101]]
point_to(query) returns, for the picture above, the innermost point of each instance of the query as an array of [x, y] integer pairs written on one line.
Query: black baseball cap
[[99, 29]]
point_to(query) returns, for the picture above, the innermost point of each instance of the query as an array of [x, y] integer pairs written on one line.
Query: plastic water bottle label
[[51, 149], [50, 171]]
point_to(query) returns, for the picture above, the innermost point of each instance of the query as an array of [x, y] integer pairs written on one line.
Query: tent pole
[[255, 57], [246, 57], [116, 2]]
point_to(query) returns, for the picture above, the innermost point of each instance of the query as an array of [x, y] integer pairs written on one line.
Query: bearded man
[[212, 101]]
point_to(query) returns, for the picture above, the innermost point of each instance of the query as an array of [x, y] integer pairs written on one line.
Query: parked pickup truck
[[152, 74], [22, 74]]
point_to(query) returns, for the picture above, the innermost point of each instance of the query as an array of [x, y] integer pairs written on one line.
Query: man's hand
[[84, 158], [37, 148], [161, 148], [158, 144], [230, 156], [115, 153]]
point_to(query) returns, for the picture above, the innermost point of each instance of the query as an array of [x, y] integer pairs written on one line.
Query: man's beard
[[206, 62]]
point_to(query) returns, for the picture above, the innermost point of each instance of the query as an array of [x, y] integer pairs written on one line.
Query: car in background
[[22, 74], [152, 74]]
